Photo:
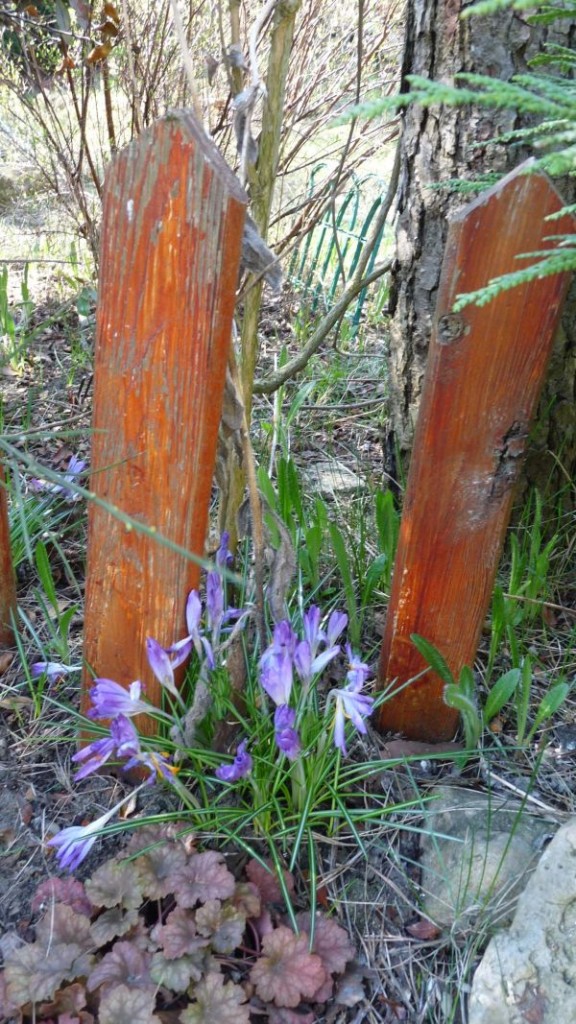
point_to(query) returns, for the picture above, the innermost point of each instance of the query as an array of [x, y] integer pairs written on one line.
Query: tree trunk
[[441, 145]]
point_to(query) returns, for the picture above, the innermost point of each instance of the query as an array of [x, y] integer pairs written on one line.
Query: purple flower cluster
[[112, 701], [288, 657]]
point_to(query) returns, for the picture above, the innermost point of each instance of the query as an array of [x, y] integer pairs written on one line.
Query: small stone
[[528, 973], [477, 853], [330, 478]]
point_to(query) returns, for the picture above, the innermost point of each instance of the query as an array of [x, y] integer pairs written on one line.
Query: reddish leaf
[[121, 1004], [125, 964], [157, 867], [35, 973], [287, 972], [69, 1000], [246, 898], [267, 882], [205, 877], [176, 975], [330, 942], [225, 926], [62, 925], [424, 930], [179, 935], [115, 884], [68, 891], [112, 924], [217, 1003]]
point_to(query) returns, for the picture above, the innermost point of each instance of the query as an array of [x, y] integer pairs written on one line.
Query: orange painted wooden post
[[7, 575], [171, 238], [485, 370]]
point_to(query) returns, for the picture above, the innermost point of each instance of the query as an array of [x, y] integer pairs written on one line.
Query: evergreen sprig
[[538, 94]]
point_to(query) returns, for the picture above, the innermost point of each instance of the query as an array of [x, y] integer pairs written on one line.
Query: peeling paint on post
[[486, 367], [171, 238], [7, 575]]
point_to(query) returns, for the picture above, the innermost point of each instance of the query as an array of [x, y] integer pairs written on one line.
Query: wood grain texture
[[486, 367], [171, 237], [7, 575]]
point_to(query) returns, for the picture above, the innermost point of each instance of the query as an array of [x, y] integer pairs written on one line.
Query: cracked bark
[[441, 144]]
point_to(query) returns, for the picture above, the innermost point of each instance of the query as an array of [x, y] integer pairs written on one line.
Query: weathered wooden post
[[171, 238], [7, 575], [485, 370]]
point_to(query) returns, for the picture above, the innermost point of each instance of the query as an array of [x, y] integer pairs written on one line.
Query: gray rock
[[330, 477], [477, 853], [528, 972]]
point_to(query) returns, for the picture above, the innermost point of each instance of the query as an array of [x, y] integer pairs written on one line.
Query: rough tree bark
[[439, 145]]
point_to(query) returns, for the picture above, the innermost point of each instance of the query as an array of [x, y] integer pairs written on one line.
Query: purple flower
[[358, 671], [336, 623], [157, 764], [125, 738], [52, 669], [224, 557], [240, 766], [110, 699], [193, 613], [276, 664], [73, 844], [95, 755], [276, 676], [351, 703], [214, 603], [308, 666], [122, 742], [287, 739], [312, 632], [163, 662], [76, 466]]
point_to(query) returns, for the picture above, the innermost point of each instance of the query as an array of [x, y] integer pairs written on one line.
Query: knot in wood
[[451, 326]]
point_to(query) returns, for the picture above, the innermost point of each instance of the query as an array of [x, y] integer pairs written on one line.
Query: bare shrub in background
[[83, 79]]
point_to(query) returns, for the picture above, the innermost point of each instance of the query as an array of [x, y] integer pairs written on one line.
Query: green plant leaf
[[500, 694], [432, 655], [549, 705], [45, 573]]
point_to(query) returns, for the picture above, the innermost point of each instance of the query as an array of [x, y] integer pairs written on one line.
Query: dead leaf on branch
[[424, 930]]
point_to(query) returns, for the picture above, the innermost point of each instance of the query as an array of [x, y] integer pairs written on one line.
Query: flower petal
[[240, 766], [336, 623], [286, 737], [110, 699], [193, 612]]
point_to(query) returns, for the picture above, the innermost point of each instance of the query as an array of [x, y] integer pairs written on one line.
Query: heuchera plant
[[290, 737], [166, 932]]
